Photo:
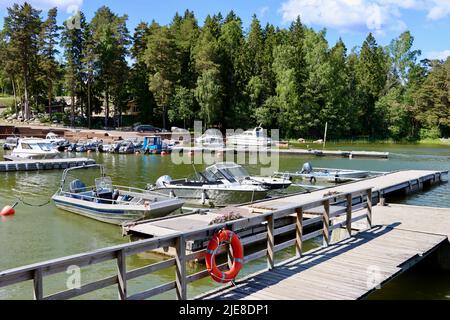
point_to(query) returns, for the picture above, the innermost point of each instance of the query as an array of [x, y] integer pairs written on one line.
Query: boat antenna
[[195, 170]]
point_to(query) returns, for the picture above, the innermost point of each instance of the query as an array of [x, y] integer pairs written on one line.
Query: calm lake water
[[37, 234]]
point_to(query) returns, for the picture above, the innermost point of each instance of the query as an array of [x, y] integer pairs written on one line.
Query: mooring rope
[[33, 205]]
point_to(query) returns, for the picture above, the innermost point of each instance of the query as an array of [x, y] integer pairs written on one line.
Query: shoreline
[[293, 144]]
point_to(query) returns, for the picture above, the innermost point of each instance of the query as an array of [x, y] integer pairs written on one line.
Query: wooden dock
[[355, 267], [298, 152], [403, 181], [393, 239], [37, 165]]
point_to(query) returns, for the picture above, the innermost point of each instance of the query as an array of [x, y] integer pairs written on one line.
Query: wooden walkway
[[51, 164], [411, 180], [355, 267], [407, 181]]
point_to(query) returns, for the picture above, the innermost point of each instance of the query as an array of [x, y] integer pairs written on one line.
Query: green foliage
[[290, 79], [182, 105], [208, 93]]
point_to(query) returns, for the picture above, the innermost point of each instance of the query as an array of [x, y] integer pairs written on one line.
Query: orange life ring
[[219, 238]]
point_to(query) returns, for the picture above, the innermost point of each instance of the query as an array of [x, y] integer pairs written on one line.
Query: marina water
[[38, 233]]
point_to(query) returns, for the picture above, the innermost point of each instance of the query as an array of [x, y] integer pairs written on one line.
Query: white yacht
[[33, 149], [254, 137]]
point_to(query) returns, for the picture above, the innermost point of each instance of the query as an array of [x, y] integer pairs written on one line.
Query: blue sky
[[428, 20]]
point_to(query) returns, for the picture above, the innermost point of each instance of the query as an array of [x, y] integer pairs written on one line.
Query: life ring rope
[[224, 237]]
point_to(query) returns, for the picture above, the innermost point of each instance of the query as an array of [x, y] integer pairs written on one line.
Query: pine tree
[[161, 58], [22, 28], [73, 42], [111, 39], [48, 50]]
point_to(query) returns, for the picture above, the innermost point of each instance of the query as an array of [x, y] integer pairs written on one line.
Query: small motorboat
[[137, 143], [58, 142], [255, 137], [154, 145], [126, 147], [33, 149], [211, 139], [107, 203], [213, 187], [324, 174], [10, 143], [241, 174]]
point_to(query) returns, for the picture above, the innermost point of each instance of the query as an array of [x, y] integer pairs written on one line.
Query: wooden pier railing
[[38, 272]]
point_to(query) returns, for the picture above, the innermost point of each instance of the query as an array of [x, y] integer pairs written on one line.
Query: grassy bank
[[347, 142], [6, 101]]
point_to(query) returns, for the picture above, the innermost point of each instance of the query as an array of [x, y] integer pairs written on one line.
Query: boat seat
[[77, 186]]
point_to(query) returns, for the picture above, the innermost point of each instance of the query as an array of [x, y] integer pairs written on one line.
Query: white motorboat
[[214, 187], [211, 139], [242, 175], [33, 149], [54, 138], [58, 142], [10, 143], [254, 137], [107, 203]]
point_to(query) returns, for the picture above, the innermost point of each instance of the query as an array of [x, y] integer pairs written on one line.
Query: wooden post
[[38, 288], [369, 208], [299, 232], [349, 213], [180, 261], [326, 223], [270, 242], [122, 274]]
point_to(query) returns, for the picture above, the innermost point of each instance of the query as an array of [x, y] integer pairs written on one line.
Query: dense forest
[[228, 77]]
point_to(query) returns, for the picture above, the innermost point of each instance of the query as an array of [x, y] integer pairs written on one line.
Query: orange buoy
[[224, 236], [7, 211]]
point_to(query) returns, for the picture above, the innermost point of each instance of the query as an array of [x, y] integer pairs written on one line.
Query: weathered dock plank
[[355, 267]]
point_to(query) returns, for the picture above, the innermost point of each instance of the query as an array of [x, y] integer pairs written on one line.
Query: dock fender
[[220, 238]]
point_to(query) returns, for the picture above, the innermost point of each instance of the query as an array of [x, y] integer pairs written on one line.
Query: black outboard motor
[[307, 168]]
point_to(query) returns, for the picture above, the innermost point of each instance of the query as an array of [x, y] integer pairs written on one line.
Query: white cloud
[[70, 6], [439, 55], [439, 9], [263, 11], [373, 15]]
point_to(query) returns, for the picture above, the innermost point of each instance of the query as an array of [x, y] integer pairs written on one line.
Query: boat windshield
[[233, 169], [104, 184], [45, 146], [217, 173], [237, 172]]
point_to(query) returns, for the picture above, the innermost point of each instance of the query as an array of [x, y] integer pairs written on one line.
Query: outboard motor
[[161, 182], [307, 168]]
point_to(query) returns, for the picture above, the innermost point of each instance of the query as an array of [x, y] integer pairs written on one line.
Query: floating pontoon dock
[[302, 152], [36, 165], [397, 182]]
